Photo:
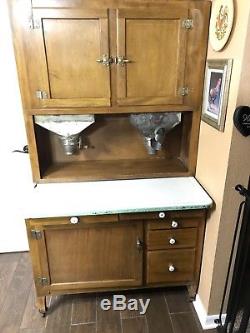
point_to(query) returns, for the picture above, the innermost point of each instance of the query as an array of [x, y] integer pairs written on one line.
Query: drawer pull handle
[[172, 241], [174, 224], [74, 220], [171, 268], [162, 215]]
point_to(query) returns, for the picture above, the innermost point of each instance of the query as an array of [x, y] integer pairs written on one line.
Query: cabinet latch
[[188, 24], [41, 94], [184, 91], [36, 234], [43, 281]]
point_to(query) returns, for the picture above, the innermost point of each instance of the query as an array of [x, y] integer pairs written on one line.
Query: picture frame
[[216, 91]]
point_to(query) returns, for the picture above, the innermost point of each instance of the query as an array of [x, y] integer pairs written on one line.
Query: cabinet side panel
[[195, 67]]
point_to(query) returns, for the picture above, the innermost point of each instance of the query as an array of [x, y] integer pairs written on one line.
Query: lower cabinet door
[[170, 266], [87, 256]]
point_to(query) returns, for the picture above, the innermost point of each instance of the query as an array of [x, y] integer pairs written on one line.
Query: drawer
[[170, 266], [73, 220], [163, 216], [171, 239], [173, 223]]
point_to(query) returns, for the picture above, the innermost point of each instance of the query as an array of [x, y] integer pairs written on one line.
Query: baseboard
[[207, 322]]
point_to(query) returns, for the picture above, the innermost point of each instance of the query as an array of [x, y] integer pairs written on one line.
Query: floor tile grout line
[[133, 317], [146, 324], [181, 312], [71, 315], [85, 323], [170, 317], [96, 312], [121, 321]]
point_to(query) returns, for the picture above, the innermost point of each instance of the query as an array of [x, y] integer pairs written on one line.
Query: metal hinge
[[36, 234], [41, 94], [188, 24], [184, 91], [34, 24], [43, 281]]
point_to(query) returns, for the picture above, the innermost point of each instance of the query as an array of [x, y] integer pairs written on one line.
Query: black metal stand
[[238, 308]]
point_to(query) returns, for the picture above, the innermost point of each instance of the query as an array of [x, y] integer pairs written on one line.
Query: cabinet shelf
[[105, 170]]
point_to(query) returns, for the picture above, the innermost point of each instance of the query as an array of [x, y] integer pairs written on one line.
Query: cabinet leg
[[192, 291], [41, 305]]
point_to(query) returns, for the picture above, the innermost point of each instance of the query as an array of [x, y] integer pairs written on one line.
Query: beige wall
[[238, 172], [212, 172]]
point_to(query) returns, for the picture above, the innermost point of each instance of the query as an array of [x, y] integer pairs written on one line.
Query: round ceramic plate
[[221, 23]]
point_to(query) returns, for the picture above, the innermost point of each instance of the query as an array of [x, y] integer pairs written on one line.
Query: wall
[[219, 169], [238, 173]]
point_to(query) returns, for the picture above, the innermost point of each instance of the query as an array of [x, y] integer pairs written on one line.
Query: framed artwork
[[221, 23], [216, 90]]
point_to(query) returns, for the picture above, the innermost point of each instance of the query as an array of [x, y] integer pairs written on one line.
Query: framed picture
[[216, 89]]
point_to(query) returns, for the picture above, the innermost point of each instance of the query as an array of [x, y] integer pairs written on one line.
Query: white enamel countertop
[[118, 196]]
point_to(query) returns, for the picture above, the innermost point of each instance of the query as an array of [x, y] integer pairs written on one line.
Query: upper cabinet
[[151, 46], [63, 49], [111, 57]]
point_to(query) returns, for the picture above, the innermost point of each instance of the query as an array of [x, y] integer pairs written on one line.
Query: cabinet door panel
[[67, 43], [91, 256], [154, 42]]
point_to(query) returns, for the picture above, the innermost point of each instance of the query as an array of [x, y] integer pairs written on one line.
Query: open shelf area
[[113, 148]]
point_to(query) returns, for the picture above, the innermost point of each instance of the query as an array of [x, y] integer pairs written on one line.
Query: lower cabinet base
[[41, 302], [113, 253]]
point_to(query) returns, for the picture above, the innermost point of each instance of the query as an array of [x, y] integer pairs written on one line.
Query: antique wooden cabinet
[[112, 252], [110, 58]]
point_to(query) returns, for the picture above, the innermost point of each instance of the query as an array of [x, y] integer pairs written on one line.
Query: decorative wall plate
[[221, 23]]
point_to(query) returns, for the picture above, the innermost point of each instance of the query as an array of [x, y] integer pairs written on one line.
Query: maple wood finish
[[159, 263], [62, 61], [112, 252], [168, 239], [61, 47], [154, 42]]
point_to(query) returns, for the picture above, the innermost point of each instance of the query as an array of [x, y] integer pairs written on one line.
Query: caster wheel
[[42, 312]]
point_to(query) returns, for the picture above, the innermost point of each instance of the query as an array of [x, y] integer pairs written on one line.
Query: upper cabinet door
[[68, 52], [151, 55]]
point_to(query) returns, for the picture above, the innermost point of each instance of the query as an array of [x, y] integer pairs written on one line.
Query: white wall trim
[[207, 322]]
